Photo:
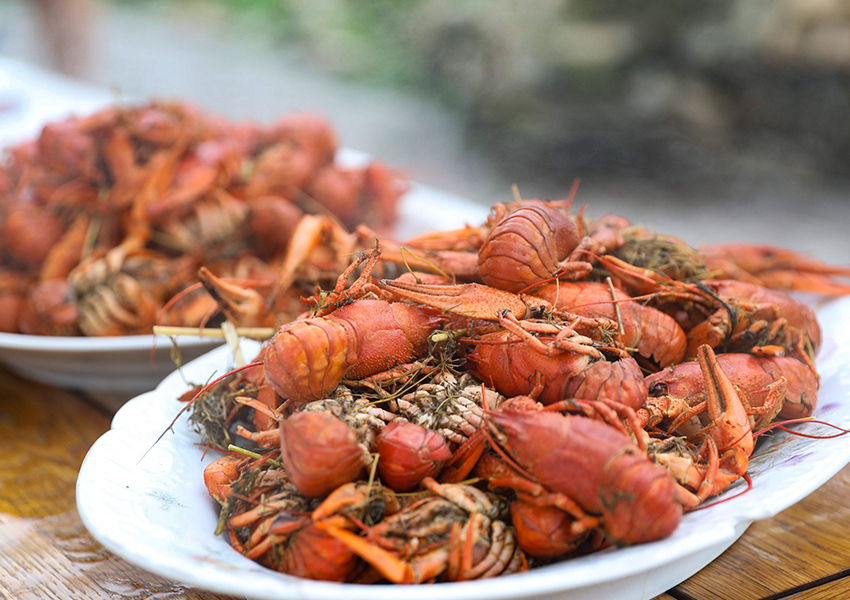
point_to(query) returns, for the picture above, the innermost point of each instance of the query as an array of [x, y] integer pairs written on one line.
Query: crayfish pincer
[[589, 469]]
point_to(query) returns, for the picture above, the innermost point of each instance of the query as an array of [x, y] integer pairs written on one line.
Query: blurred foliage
[[659, 22], [276, 15], [364, 39], [361, 39]]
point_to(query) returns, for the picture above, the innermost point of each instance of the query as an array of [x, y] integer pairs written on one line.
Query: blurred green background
[[669, 89]]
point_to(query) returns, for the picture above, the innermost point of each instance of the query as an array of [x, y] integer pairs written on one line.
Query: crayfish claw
[[465, 299]]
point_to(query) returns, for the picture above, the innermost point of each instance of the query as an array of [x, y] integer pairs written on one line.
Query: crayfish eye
[[375, 510], [659, 388], [538, 312]]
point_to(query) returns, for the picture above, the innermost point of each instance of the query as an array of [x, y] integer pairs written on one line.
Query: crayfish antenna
[[206, 388]]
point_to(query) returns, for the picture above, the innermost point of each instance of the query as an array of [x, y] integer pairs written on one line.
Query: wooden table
[[46, 552]]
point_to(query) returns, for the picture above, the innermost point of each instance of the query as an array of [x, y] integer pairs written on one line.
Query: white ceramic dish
[[113, 370], [155, 512]]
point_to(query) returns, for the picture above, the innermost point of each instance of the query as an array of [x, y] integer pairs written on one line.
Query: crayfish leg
[[464, 458], [386, 563], [773, 402], [242, 306]]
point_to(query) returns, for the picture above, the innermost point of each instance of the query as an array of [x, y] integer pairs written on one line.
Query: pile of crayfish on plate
[[105, 218], [482, 401]]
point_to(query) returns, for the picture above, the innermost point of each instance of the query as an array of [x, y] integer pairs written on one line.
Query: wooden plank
[[55, 558], [46, 433], [830, 591], [805, 542], [45, 551]]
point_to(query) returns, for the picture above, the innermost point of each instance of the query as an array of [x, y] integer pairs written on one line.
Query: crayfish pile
[[105, 219], [514, 394]]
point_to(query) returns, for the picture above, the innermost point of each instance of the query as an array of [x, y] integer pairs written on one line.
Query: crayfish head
[[517, 432], [499, 425]]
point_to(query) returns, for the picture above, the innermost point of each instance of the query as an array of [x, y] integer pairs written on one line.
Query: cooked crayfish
[[330, 442], [727, 439], [168, 180], [269, 521], [590, 470], [610, 482], [774, 267], [456, 534], [653, 334], [515, 361], [408, 453], [682, 385], [731, 315]]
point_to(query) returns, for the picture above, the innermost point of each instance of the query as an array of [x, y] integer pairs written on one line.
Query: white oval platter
[[153, 509]]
